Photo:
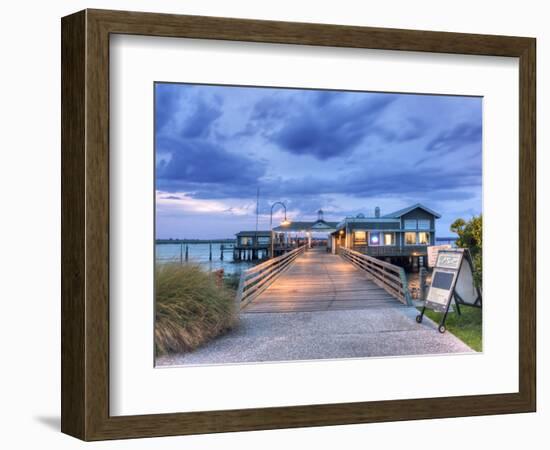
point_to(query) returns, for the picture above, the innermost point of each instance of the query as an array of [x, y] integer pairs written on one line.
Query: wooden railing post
[[405, 283], [257, 279], [240, 289], [389, 277]]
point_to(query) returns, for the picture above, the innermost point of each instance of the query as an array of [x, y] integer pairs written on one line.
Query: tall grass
[[191, 308]]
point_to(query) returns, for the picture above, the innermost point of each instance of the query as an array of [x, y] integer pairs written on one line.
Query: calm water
[[199, 253]]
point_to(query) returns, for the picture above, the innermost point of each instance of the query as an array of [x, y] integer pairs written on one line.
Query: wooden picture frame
[[85, 224]]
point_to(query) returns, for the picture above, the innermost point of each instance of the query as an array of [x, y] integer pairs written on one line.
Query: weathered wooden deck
[[320, 281]]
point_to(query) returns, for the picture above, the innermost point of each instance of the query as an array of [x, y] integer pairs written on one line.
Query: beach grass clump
[[191, 308], [232, 280]]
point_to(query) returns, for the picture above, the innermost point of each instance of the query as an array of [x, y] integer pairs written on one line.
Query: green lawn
[[466, 327]]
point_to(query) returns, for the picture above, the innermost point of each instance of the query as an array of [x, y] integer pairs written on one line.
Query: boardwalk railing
[[258, 278], [388, 276]]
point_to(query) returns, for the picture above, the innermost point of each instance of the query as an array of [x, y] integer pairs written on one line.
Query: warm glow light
[[285, 222], [341, 231]]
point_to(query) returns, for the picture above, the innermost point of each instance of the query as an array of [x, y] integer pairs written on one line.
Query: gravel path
[[376, 331]]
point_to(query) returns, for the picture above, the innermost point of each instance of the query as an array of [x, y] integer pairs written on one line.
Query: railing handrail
[[389, 277], [258, 278]]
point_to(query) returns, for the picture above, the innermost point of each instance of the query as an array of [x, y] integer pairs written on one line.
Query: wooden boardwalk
[[320, 281]]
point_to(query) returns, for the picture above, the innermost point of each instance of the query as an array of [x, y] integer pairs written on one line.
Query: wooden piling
[[187, 252], [422, 282], [210, 254]]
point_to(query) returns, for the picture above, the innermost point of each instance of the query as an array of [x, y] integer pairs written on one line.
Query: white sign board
[[433, 250], [452, 275], [465, 288], [444, 278], [449, 260]]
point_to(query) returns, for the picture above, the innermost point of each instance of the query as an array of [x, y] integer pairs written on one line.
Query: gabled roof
[[402, 212], [304, 226]]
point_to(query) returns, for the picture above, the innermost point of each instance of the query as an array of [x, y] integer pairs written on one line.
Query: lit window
[[246, 241], [410, 224], [423, 224], [360, 237], [374, 238], [423, 238], [410, 238], [389, 239]]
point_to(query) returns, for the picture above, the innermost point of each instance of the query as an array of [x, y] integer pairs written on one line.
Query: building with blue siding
[[406, 233]]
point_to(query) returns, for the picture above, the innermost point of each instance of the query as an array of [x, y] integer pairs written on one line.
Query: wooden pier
[[316, 280]]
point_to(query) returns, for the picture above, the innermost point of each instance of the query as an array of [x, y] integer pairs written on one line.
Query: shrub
[[190, 308], [470, 236]]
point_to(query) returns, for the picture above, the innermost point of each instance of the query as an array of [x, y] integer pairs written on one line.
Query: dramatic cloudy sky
[[344, 152]]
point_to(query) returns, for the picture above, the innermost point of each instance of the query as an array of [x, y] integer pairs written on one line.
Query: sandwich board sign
[[452, 278], [433, 250]]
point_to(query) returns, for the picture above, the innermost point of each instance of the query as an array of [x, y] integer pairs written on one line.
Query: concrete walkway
[[358, 333]]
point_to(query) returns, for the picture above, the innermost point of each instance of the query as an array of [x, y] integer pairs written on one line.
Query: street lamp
[[285, 222]]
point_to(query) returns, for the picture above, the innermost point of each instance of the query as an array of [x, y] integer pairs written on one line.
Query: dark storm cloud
[[445, 184], [332, 129], [200, 120], [385, 183], [166, 103], [269, 108], [456, 137], [327, 124], [198, 162], [189, 116]]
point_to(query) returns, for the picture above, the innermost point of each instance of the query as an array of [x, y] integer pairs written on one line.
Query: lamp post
[[284, 222]]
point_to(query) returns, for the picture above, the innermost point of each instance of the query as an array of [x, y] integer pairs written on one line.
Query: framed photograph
[[273, 225]]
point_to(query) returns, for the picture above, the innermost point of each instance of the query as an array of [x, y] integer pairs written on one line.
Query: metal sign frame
[[458, 300]]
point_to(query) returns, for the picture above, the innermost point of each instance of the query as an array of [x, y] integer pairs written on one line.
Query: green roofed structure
[[406, 233], [402, 236]]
